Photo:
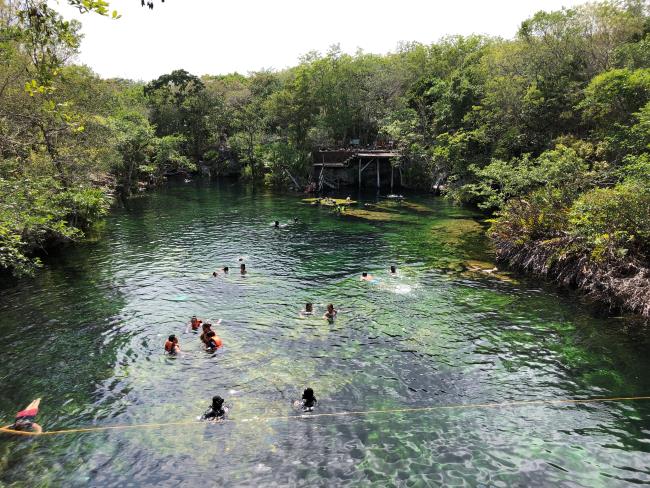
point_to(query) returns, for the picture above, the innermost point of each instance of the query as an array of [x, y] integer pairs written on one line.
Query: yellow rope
[[7, 430]]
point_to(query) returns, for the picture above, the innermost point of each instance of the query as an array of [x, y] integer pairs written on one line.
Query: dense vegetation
[[549, 131]]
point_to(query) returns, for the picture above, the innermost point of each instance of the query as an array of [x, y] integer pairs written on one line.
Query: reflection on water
[[87, 336]]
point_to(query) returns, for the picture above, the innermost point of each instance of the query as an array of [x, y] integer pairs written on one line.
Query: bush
[[614, 221], [35, 211]]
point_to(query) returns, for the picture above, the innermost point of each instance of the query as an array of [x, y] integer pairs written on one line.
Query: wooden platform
[[342, 159]]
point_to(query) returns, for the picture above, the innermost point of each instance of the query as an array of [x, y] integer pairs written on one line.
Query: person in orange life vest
[[171, 345], [214, 342], [207, 327], [25, 419], [195, 323]]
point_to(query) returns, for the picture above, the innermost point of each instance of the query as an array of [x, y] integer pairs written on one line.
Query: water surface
[[87, 334]]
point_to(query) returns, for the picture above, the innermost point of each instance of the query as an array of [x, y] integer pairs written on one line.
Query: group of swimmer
[[25, 419], [208, 337], [212, 343]]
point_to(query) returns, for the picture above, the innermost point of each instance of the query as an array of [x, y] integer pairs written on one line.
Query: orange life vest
[[215, 342], [170, 346]]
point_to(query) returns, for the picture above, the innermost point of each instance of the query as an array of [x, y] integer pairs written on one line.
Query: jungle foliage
[[549, 131]]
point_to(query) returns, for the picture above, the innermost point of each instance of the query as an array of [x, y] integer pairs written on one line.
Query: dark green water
[[87, 336]]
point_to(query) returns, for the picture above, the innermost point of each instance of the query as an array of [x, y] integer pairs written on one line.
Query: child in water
[[308, 400], [171, 345], [217, 410]]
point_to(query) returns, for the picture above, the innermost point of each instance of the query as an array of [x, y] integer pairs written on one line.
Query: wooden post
[[378, 183], [359, 174]]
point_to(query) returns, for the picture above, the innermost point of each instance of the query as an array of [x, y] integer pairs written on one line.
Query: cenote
[[87, 333]]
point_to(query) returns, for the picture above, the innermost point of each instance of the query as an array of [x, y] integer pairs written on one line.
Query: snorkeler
[[25, 419], [308, 400], [331, 312], [214, 342], [171, 345], [366, 277], [217, 410], [242, 269]]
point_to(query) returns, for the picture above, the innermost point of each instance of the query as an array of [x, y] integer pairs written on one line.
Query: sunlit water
[[87, 334]]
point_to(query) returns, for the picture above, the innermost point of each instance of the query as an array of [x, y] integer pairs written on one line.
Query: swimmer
[[295, 220], [25, 419], [207, 327], [393, 270], [308, 400], [214, 274], [276, 224], [194, 324], [225, 270], [217, 410], [242, 269], [366, 277], [309, 309], [331, 312], [214, 342], [171, 345]]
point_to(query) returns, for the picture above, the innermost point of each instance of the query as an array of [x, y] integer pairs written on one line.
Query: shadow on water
[[86, 334]]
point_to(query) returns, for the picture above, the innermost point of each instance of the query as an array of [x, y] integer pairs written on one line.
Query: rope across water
[[565, 401]]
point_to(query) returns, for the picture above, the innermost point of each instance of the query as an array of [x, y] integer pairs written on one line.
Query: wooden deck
[[342, 159]]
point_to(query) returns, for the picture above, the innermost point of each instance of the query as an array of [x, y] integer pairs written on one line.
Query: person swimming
[[276, 224], [225, 270], [331, 312], [214, 342], [207, 327], [24, 421], [393, 269], [217, 410], [214, 274], [309, 309], [171, 345], [309, 401], [366, 277], [195, 323], [242, 269]]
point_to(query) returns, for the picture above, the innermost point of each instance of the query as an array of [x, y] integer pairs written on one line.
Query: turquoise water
[[87, 335]]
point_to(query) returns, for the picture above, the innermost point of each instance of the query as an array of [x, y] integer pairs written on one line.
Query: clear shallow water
[[87, 336]]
